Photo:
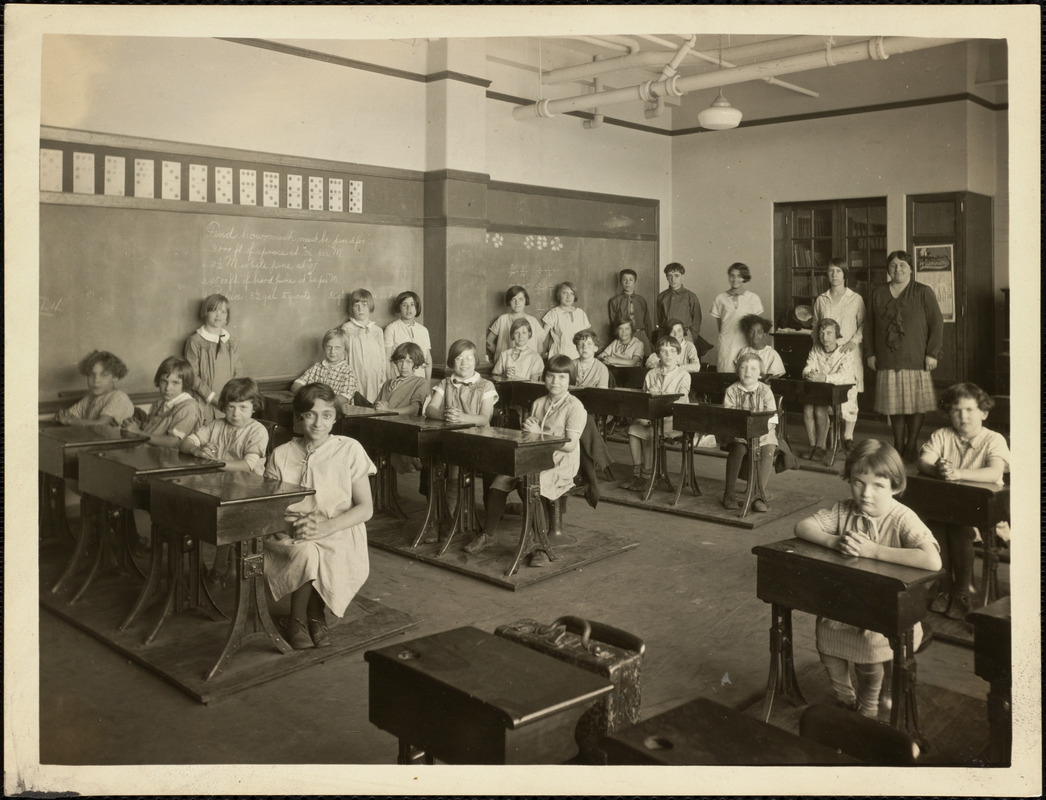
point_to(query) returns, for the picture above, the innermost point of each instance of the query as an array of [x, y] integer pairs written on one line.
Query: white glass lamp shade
[[720, 116]]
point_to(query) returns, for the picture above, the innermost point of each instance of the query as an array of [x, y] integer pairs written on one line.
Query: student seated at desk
[[626, 350], [755, 329], [967, 451], [752, 395], [321, 561], [103, 404], [667, 378], [464, 396], [589, 372], [827, 363], [175, 415], [405, 393], [519, 362], [871, 524], [688, 358], [558, 413], [334, 370], [240, 442]]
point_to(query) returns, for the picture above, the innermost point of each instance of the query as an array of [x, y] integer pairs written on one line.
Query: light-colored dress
[[595, 373], [245, 443], [502, 329], [526, 361], [336, 565], [561, 324], [688, 358], [768, 357], [848, 311], [115, 404], [761, 398], [178, 417], [367, 357], [631, 351], [216, 360], [837, 368], [729, 309], [337, 376], [399, 332], [972, 453], [898, 527], [566, 416]]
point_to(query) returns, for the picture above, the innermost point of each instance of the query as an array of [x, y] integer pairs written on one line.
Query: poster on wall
[[934, 267]]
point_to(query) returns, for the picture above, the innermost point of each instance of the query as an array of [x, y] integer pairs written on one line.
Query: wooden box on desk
[[468, 697], [500, 450], [224, 507]]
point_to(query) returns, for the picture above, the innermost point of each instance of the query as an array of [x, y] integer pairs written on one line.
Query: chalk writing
[[50, 306], [242, 262]]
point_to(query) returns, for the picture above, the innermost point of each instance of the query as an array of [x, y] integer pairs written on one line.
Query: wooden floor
[[688, 590]]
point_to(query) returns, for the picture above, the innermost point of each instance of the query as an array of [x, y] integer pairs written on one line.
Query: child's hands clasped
[[857, 545], [206, 451], [531, 425], [947, 471], [452, 415], [304, 526]]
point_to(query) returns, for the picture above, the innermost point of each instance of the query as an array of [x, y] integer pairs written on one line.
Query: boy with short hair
[[679, 303], [633, 307]]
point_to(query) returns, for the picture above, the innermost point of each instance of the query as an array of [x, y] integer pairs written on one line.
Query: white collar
[[179, 399], [360, 324], [210, 337]]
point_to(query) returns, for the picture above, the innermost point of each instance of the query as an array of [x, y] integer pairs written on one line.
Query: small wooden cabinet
[[958, 227]]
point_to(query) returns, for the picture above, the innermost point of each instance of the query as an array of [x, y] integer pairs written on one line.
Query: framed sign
[[934, 266]]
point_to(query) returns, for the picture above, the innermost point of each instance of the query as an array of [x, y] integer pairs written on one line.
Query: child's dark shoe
[[297, 634], [848, 445], [960, 606], [730, 503], [940, 603], [818, 454], [319, 633]]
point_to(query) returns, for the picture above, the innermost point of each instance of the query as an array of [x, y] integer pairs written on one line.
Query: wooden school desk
[[501, 451], [992, 660], [724, 423], [876, 595], [279, 408], [416, 437], [519, 395], [117, 482], [121, 479], [705, 733], [635, 404], [59, 447], [814, 393], [468, 697], [237, 508], [628, 377], [350, 423], [981, 505], [711, 386]]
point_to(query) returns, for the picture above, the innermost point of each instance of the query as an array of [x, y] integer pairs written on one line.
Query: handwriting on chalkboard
[[50, 306], [245, 263]]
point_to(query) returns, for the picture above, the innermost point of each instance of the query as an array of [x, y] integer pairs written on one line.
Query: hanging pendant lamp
[[720, 116]]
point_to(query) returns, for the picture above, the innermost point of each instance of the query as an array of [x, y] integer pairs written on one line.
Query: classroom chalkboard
[[539, 262], [130, 280]]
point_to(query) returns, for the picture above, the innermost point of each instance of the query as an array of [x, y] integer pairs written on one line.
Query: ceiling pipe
[[877, 49], [603, 43], [597, 116], [655, 58], [670, 68], [772, 81]]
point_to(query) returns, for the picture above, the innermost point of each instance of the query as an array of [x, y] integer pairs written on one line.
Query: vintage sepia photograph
[[497, 399]]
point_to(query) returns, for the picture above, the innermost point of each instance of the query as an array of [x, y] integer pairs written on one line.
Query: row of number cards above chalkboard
[[171, 182]]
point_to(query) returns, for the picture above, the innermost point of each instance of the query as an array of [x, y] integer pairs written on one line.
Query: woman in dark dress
[[902, 344]]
